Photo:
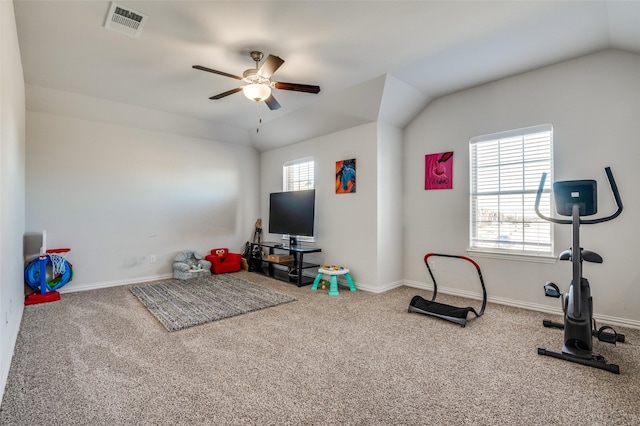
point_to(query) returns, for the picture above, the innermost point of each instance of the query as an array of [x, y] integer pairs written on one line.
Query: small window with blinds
[[505, 173], [298, 175]]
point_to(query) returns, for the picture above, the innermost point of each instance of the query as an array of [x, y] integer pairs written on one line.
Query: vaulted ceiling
[[374, 60]]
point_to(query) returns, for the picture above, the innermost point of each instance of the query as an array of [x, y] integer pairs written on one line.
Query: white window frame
[[299, 175], [505, 171]]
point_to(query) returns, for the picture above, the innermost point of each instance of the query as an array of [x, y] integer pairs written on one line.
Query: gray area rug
[[180, 304]]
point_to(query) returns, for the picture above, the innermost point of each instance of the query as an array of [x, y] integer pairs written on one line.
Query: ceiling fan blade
[[307, 88], [272, 103], [227, 93], [201, 68], [270, 65]]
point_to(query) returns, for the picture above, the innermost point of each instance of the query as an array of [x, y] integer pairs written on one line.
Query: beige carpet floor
[[100, 358]]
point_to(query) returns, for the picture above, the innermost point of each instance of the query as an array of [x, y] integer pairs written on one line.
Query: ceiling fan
[[259, 81]]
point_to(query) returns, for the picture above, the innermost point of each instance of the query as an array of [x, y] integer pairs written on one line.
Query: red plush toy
[[222, 261]]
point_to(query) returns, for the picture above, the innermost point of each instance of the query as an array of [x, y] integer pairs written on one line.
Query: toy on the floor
[[183, 265], [443, 311], [223, 261], [333, 271], [46, 274]]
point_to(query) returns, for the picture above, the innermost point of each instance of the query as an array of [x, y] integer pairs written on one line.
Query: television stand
[[285, 270]]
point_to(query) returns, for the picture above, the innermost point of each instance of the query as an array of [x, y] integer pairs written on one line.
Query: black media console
[[286, 270]]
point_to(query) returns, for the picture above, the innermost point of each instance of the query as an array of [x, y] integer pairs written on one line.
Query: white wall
[[346, 224], [12, 188], [389, 207], [116, 194], [593, 103]]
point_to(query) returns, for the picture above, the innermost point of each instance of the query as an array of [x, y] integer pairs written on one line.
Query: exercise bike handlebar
[[614, 190]]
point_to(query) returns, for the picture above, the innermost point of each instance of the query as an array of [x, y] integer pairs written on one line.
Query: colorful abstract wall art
[[438, 170], [346, 176]]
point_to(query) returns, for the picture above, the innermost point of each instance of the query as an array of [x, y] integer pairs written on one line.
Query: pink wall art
[[438, 170]]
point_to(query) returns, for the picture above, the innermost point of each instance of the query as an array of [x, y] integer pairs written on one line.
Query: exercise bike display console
[[578, 198]]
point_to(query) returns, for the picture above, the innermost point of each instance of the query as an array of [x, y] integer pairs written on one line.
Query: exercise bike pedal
[[551, 290], [601, 333], [608, 337], [552, 324]]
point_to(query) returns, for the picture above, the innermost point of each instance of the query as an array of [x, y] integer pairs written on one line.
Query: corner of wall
[[12, 188]]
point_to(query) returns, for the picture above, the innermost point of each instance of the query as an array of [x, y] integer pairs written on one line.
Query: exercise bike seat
[[565, 255], [587, 255], [591, 256]]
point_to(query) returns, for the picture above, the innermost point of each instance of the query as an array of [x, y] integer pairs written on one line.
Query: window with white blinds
[[298, 175], [505, 173]]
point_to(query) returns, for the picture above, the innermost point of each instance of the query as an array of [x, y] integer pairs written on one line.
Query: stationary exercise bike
[[578, 198]]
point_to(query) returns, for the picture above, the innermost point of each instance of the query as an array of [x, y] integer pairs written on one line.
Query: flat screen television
[[292, 213], [581, 192]]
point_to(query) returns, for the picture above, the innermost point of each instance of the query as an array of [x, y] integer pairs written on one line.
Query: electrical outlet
[[152, 258]]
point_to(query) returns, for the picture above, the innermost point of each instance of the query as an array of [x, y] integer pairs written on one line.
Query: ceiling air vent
[[124, 20]]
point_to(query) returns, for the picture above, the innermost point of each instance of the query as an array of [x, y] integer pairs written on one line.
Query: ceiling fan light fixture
[[256, 92], [259, 84]]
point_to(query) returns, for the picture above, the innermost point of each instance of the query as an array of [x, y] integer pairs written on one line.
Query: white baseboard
[[106, 284], [377, 290], [609, 320]]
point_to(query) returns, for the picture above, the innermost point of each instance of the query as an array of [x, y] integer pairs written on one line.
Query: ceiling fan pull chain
[[259, 118]]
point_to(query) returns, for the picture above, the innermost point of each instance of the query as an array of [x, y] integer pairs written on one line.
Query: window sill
[[536, 258]]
